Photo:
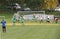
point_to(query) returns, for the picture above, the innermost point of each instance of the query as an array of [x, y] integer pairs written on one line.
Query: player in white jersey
[[17, 16], [48, 19], [41, 19]]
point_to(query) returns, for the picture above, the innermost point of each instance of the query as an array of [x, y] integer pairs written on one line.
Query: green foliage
[[30, 3], [56, 13], [34, 3]]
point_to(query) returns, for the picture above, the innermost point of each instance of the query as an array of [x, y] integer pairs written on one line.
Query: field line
[[33, 24]]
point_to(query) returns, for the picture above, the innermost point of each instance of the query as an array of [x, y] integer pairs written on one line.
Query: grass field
[[31, 32]]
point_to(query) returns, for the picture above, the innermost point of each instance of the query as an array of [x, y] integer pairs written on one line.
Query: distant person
[[19, 20], [41, 19], [48, 17], [34, 17], [17, 16], [22, 20], [48, 21], [56, 20], [3, 22], [14, 20]]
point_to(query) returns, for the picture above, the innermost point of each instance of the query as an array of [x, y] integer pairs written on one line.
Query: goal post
[[31, 12], [28, 15]]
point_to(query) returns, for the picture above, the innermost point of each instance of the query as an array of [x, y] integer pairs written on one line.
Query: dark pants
[[48, 21], [4, 28]]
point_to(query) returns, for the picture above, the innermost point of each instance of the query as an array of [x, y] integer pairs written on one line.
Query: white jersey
[[41, 18], [17, 16], [48, 17]]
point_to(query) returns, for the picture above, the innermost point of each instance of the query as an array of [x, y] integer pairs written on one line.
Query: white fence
[[38, 17]]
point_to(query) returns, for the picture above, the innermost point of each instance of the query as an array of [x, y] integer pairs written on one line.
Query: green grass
[[29, 32], [32, 32]]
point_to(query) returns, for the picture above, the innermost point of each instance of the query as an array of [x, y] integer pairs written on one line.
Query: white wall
[[38, 17]]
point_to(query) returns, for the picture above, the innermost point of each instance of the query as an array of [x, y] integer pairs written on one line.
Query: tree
[[2, 2], [34, 3]]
